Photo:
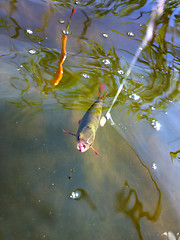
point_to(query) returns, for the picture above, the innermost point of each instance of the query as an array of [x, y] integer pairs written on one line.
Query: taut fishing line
[[157, 11]]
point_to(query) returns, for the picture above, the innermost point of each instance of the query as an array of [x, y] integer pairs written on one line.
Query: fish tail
[[101, 91]]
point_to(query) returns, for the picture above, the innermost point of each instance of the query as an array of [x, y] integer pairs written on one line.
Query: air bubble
[[105, 35], [154, 166], [29, 31], [85, 75], [77, 2], [130, 34], [21, 66], [61, 21], [66, 32], [32, 51], [75, 195], [156, 125], [134, 97], [121, 72], [106, 62]]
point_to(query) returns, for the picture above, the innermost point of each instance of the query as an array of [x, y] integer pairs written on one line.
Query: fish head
[[82, 146]]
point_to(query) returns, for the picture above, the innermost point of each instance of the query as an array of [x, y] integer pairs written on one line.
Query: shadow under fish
[[89, 124]]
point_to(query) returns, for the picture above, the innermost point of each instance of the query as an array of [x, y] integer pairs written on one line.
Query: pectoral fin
[[68, 132], [94, 151]]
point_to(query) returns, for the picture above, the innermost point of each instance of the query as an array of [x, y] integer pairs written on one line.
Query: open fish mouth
[[82, 147]]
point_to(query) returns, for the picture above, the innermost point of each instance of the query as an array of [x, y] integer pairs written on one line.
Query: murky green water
[[132, 190]]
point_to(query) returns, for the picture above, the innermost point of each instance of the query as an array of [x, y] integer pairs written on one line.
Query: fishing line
[[73, 11], [157, 11]]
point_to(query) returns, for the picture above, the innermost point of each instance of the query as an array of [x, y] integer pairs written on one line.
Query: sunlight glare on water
[[131, 190]]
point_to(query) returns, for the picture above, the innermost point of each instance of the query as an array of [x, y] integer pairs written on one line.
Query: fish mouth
[[82, 146]]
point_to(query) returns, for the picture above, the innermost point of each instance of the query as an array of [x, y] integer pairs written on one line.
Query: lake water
[[49, 190]]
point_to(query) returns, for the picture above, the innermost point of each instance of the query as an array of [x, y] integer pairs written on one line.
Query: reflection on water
[[135, 210], [174, 155], [120, 195], [131, 206]]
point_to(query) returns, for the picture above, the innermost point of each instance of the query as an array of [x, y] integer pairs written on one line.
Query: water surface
[[131, 191]]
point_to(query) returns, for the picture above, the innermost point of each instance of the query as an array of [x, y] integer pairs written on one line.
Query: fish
[[89, 124]]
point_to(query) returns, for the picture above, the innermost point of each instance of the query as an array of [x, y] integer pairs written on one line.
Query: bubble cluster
[[21, 66], [32, 51], [29, 31], [130, 34], [154, 166], [156, 125], [85, 75], [134, 97], [66, 32], [75, 195], [106, 61], [105, 35], [121, 72]]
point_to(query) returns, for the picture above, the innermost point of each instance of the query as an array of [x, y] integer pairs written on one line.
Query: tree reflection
[[174, 155], [159, 60], [103, 8], [136, 211]]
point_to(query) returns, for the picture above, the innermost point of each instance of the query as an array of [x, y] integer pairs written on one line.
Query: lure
[[59, 72], [89, 124]]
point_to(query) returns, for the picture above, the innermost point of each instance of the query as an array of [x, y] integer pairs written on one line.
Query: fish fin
[[79, 121], [68, 132], [94, 151]]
